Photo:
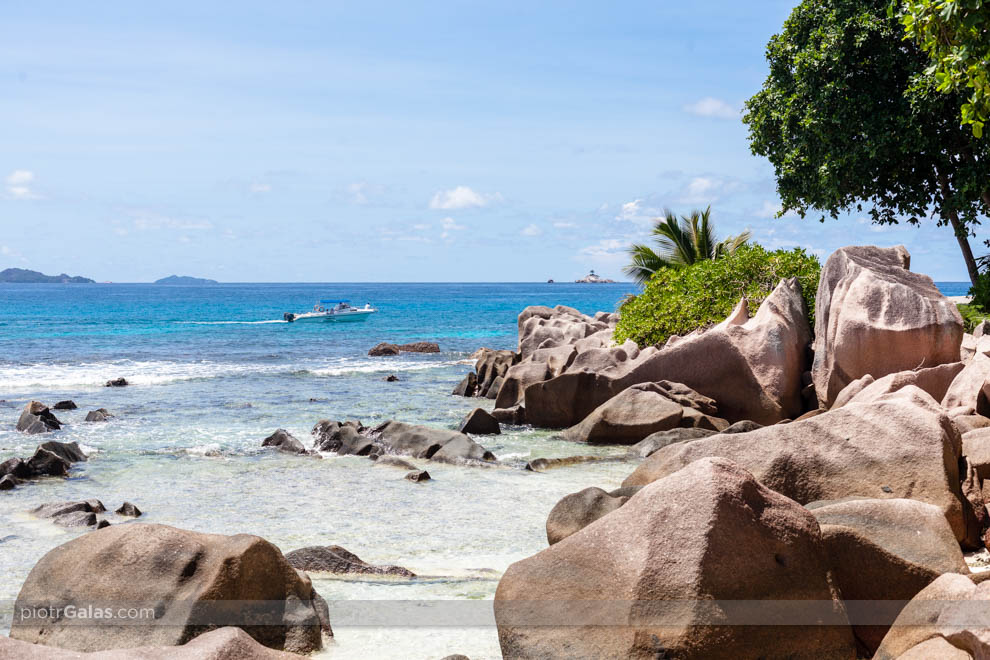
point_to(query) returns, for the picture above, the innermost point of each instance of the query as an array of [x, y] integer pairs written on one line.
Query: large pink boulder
[[970, 389], [901, 445], [874, 316], [185, 577], [751, 366], [933, 380], [635, 583]]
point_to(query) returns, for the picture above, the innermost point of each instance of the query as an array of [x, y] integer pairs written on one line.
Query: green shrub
[[678, 301], [979, 293], [972, 316]]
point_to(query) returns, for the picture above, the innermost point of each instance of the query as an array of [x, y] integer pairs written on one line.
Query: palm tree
[[681, 243]]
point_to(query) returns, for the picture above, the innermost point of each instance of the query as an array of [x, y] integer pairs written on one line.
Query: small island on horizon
[[184, 279], [25, 276]]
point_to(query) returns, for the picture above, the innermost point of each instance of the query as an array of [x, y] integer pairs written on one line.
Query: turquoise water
[[214, 371]]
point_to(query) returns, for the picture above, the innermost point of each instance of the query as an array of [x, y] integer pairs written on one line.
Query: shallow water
[[213, 372]]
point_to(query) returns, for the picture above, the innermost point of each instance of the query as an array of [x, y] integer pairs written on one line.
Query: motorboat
[[336, 311]]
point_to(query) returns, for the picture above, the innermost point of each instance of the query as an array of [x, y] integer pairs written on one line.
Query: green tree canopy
[[680, 243], [956, 35], [847, 118]]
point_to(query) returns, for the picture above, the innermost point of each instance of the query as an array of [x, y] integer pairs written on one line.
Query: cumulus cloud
[[712, 107], [20, 185], [461, 197], [532, 230]]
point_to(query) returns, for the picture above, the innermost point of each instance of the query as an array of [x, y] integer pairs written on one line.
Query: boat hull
[[347, 317]]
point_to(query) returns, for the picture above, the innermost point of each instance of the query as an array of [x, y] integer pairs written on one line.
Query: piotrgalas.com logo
[[86, 613]]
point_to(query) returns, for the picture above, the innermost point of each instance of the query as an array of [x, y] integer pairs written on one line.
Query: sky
[[387, 141]]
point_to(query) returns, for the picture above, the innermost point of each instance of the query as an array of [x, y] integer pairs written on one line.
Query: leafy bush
[[972, 316], [980, 292], [678, 301]]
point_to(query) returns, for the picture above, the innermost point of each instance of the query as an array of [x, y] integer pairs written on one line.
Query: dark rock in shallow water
[[425, 442], [391, 378], [65, 405], [492, 391], [514, 415], [46, 463], [37, 418], [578, 510], [480, 422], [116, 382], [71, 514], [344, 438], [335, 559], [394, 461], [98, 415], [468, 386], [284, 441], [7, 482], [128, 509], [384, 348], [418, 475], [67, 451], [15, 467]]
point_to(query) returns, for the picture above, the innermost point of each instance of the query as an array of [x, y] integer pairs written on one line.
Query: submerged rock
[[480, 422], [37, 418], [544, 464], [8, 482], [98, 415], [391, 378], [183, 575], [710, 532], [65, 405], [385, 348], [129, 510], [418, 475], [71, 514], [394, 461], [116, 382], [15, 467], [335, 559], [426, 442], [468, 386]]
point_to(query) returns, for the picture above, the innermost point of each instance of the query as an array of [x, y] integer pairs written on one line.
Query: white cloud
[[449, 225], [713, 107], [19, 185], [363, 192], [261, 188], [564, 225], [705, 190], [461, 197], [421, 227], [531, 230], [145, 219], [607, 248]]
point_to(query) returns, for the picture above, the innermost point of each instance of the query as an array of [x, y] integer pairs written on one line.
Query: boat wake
[[231, 322]]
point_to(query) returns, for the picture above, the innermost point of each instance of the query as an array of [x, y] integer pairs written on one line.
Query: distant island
[[24, 276], [184, 279], [591, 278]]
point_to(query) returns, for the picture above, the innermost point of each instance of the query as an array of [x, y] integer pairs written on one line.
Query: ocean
[[214, 370]]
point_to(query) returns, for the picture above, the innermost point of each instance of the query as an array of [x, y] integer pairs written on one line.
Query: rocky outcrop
[[73, 514], [341, 437], [129, 510], [37, 418], [970, 389], [874, 316], [221, 644], [751, 366], [116, 382], [708, 532], [655, 441], [468, 386], [50, 459], [284, 441], [480, 422], [885, 550], [902, 445], [185, 576], [517, 379], [934, 380], [65, 405], [514, 415], [486, 380], [98, 415], [418, 476], [644, 409], [384, 348], [337, 560]]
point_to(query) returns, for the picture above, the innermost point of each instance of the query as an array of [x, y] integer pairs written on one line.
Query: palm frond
[[644, 261]]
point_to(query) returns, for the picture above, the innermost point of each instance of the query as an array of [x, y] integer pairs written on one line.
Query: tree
[[956, 36], [847, 117], [680, 243]]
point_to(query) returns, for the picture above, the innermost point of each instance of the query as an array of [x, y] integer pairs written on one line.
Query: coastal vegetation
[[677, 301], [24, 276], [851, 123], [954, 34], [680, 243]]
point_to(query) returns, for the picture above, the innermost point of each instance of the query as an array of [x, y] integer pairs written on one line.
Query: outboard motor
[[289, 316]]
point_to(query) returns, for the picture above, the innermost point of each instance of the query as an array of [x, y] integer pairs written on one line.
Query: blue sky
[[380, 141]]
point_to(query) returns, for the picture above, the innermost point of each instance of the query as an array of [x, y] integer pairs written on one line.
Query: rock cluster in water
[[385, 348]]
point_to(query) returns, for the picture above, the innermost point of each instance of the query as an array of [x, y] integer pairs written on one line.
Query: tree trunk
[[962, 235]]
